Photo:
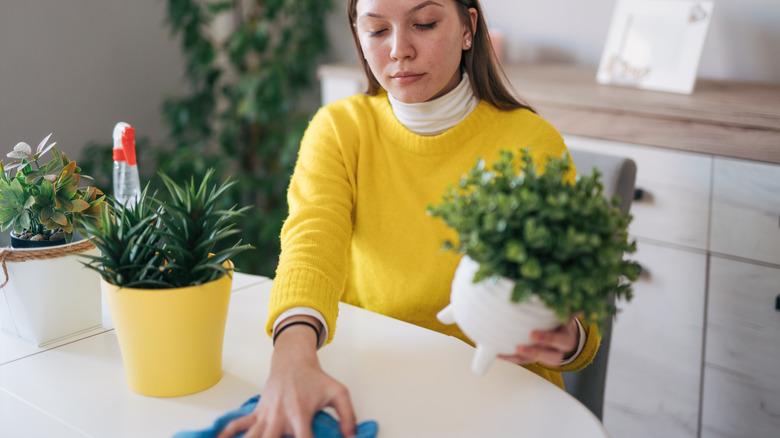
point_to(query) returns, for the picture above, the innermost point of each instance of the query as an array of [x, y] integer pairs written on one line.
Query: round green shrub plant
[[562, 241]]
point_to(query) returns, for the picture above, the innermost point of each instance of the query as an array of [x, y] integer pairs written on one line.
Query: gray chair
[[618, 177]]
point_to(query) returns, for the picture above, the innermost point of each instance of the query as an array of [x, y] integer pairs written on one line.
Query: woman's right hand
[[297, 388]]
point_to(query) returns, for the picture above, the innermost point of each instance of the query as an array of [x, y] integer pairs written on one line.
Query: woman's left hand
[[550, 347]]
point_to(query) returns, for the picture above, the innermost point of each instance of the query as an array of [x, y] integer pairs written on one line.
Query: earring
[[468, 43]]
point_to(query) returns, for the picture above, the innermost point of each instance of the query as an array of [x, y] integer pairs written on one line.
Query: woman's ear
[[470, 31]]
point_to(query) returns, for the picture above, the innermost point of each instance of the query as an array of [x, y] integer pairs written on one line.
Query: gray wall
[[76, 67], [743, 42]]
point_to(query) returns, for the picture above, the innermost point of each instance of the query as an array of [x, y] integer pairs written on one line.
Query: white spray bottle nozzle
[[118, 129]]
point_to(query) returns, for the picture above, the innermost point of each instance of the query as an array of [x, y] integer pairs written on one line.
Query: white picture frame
[[655, 44]]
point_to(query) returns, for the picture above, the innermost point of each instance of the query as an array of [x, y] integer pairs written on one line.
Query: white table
[[412, 381]]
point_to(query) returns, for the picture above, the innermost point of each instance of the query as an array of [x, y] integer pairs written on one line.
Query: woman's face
[[413, 47]]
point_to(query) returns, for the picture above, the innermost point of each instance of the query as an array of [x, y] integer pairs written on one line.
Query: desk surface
[[412, 381]]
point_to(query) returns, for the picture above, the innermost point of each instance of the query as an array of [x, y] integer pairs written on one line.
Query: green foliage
[[44, 198], [158, 244], [242, 116], [563, 242]]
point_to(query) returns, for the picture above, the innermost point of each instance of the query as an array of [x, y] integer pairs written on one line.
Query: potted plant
[[537, 250], [44, 205], [166, 285]]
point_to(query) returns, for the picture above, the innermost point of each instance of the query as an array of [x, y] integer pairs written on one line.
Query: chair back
[[618, 178]]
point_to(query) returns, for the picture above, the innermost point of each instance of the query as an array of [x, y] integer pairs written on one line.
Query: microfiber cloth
[[323, 425]]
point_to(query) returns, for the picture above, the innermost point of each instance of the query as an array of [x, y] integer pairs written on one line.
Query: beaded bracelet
[[279, 331]]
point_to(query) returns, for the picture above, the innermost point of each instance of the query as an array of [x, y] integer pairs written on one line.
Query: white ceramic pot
[[488, 316], [47, 300]]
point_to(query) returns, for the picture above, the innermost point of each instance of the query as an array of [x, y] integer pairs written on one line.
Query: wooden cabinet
[[675, 189], [340, 81], [741, 391], [710, 163], [697, 352], [654, 369], [746, 210], [741, 394], [661, 331]]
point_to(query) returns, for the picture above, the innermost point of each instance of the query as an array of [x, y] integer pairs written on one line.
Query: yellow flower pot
[[170, 339]]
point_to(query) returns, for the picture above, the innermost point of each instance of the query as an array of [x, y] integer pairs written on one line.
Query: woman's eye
[[376, 33], [427, 26]]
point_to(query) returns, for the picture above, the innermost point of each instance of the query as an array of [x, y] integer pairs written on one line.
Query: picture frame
[[655, 44]]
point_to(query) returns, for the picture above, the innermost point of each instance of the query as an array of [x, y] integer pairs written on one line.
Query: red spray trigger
[[128, 145]]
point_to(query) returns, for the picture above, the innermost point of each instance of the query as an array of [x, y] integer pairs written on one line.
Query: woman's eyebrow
[[412, 10], [424, 4]]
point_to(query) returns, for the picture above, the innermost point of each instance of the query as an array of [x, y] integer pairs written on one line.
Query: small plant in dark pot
[[538, 239], [44, 202]]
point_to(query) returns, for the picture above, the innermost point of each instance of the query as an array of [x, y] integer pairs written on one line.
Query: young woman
[[367, 168]]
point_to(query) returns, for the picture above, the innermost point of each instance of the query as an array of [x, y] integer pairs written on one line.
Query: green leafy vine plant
[[157, 244], [45, 201], [564, 242], [243, 114]]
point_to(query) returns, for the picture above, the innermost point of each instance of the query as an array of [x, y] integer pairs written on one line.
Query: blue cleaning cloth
[[323, 425]]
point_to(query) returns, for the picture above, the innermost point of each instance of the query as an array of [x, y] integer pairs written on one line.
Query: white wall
[[76, 67], [743, 42]]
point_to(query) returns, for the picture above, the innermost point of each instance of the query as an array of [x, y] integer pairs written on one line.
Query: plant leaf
[[42, 144], [79, 205], [22, 150], [59, 218]]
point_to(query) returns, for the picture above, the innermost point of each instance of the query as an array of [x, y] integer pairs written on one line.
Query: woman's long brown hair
[[487, 78]]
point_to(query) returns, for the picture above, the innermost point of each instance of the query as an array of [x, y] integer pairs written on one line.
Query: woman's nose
[[402, 46]]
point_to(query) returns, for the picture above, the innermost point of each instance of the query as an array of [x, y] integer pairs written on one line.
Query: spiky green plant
[[156, 244], [128, 242]]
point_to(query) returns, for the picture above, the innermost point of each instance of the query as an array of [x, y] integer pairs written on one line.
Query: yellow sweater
[[358, 231]]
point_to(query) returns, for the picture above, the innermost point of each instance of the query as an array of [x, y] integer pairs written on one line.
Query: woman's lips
[[407, 78]]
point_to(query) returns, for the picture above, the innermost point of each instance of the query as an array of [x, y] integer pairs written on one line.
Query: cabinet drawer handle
[[777, 303]]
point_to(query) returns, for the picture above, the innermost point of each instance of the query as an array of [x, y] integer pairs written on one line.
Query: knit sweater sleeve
[[315, 237], [588, 353]]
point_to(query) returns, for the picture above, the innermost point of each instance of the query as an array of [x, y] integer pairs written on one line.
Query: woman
[[367, 168]]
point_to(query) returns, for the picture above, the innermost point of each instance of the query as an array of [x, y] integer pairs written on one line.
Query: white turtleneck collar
[[436, 116]]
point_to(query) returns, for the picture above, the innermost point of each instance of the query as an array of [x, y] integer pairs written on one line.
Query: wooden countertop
[[734, 119], [725, 118]]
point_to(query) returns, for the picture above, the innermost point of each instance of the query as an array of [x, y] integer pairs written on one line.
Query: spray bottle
[[127, 187]]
